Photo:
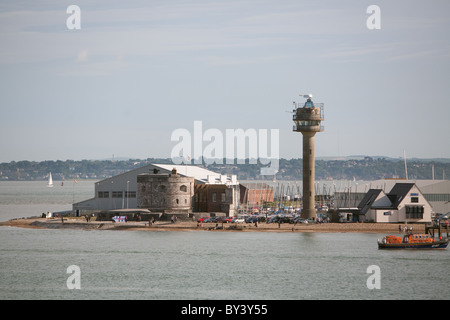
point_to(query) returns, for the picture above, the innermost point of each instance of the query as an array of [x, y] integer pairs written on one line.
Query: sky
[[136, 71]]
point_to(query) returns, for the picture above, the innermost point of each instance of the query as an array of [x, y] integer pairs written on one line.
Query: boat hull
[[426, 245]]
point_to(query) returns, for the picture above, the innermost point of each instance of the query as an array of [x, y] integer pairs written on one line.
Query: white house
[[404, 203]]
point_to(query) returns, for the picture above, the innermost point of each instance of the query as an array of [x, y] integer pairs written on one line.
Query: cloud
[[98, 67], [355, 52], [240, 60], [82, 56], [161, 28]]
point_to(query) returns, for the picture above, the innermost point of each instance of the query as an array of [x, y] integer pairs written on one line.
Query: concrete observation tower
[[307, 120]]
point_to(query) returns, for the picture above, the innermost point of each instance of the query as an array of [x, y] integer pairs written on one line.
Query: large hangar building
[[164, 188]]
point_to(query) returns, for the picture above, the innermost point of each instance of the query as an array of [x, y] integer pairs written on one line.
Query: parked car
[[238, 220], [255, 218], [298, 219], [251, 219], [202, 219], [280, 219], [224, 219]]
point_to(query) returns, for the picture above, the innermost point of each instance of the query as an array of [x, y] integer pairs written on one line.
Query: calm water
[[200, 265]]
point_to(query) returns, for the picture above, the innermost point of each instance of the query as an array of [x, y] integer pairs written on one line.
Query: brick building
[[255, 194]]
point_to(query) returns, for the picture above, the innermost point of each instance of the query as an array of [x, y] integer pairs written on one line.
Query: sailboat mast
[[406, 168]]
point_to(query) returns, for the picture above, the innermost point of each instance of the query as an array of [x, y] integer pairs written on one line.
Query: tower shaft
[[308, 175]]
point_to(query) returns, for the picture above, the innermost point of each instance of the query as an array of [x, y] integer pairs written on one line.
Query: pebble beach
[[78, 223]]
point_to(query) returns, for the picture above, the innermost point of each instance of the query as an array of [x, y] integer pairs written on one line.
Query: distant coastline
[[330, 168], [77, 223]]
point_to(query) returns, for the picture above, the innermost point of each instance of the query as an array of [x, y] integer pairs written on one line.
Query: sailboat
[[50, 181]]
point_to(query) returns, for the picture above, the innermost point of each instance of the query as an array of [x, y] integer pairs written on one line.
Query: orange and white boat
[[412, 241]]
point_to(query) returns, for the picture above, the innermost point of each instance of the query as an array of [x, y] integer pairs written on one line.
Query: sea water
[[35, 263]]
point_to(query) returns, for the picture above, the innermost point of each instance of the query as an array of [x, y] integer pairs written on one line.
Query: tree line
[[366, 168]]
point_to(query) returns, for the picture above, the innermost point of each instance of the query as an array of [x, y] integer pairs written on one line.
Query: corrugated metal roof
[[190, 171], [196, 172]]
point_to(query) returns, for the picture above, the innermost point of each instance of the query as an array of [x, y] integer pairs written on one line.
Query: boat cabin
[[417, 238], [408, 238], [393, 239]]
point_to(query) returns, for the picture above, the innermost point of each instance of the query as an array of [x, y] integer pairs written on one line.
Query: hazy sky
[[138, 70]]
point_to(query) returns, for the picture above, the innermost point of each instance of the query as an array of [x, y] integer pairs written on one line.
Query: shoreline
[[73, 223]]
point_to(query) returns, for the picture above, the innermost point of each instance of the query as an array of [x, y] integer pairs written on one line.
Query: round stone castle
[[166, 193]]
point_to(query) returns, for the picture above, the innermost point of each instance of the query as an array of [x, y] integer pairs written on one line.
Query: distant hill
[[331, 168]]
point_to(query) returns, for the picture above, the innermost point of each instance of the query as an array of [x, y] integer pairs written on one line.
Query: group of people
[[323, 220], [405, 229]]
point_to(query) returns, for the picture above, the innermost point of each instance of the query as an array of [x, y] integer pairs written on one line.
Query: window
[[103, 194], [130, 194], [223, 197], [414, 212], [214, 197], [183, 188], [414, 199], [178, 201], [117, 194]]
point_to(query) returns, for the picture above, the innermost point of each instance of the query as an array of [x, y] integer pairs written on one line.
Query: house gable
[[405, 202]]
